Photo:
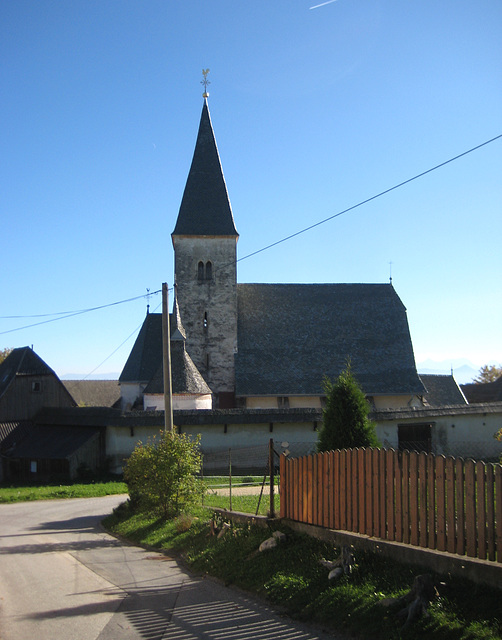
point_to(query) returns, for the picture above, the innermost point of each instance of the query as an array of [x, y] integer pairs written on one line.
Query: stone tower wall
[[208, 305]]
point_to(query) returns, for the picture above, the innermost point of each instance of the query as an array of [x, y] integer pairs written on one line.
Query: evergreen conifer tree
[[345, 418]]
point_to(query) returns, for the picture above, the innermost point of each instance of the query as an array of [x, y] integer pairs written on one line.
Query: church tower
[[205, 253]]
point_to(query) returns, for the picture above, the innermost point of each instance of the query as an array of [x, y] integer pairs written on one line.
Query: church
[[261, 346]]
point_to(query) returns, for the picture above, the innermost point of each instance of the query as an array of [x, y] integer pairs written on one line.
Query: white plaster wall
[[468, 435], [396, 402], [180, 401], [129, 392]]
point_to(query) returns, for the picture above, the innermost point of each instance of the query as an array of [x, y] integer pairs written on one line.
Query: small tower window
[[209, 270], [205, 321], [200, 271]]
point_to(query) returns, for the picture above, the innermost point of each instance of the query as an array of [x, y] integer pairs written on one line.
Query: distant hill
[[463, 370], [98, 376]]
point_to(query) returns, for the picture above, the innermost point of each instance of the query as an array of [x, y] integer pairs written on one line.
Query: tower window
[[209, 270], [200, 271], [205, 322]]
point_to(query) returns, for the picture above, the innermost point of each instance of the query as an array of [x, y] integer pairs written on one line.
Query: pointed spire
[[205, 208]]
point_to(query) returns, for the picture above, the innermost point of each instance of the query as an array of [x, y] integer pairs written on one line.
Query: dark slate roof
[[292, 335], [54, 442], [146, 354], [186, 378], [93, 393], [442, 390], [22, 361], [205, 207], [483, 392], [12, 433]]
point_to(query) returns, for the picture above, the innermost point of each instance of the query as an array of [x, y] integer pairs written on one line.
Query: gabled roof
[[441, 390], [22, 361], [93, 393], [292, 335], [483, 392], [186, 378], [205, 207]]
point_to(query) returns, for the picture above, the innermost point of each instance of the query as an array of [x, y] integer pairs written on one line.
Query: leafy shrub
[[161, 474]]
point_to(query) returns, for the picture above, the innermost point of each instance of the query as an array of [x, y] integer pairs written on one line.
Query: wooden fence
[[448, 504]]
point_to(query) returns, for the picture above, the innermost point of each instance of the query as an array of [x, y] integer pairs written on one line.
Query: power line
[[70, 314], [360, 204]]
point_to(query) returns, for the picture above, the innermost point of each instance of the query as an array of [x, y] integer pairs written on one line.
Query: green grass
[[54, 491], [291, 577]]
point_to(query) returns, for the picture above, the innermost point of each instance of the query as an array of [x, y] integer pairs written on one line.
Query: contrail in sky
[[322, 5]]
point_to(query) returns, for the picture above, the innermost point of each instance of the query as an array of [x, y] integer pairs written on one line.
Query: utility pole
[[166, 360]]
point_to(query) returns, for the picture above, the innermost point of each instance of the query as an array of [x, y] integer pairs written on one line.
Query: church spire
[[205, 207]]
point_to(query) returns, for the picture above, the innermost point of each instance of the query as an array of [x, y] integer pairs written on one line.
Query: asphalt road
[[63, 578]]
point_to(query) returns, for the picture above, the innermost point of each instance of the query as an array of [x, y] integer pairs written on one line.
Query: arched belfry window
[[209, 270], [200, 271]]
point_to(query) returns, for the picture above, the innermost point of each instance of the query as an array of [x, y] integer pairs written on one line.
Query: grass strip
[[55, 491], [291, 578]]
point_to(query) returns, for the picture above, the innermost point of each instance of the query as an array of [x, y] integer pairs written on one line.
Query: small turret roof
[[205, 207]]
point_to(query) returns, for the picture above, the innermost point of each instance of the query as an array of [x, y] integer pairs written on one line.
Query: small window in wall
[[36, 386], [33, 466], [207, 360], [209, 270], [205, 322], [415, 437], [200, 271], [283, 402]]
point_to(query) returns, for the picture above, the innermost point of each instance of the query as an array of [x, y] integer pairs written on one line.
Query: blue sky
[[314, 110]]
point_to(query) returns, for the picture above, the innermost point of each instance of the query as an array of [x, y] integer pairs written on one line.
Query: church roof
[[185, 377], [292, 335], [205, 207], [145, 363]]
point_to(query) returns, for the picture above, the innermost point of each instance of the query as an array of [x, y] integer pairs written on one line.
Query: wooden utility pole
[[166, 359]]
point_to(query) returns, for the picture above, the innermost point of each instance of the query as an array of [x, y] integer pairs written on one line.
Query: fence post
[[271, 471], [230, 477]]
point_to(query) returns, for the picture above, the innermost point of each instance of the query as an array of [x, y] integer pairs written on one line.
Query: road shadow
[[189, 609]]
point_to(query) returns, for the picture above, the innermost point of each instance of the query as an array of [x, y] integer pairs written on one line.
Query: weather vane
[[205, 82]]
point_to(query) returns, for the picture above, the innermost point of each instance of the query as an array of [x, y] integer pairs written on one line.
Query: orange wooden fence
[[448, 504]]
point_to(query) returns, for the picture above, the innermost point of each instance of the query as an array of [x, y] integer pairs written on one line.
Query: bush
[[161, 475], [345, 419]]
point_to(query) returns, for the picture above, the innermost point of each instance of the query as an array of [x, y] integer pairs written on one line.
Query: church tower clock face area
[[205, 253]]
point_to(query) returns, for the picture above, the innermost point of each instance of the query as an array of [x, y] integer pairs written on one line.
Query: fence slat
[[431, 501], [348, 490], [460, 503], [498, 513], [355, 490], [440, 504], [361, 491], [406, 496], [376, 493], [390, 508], [313, 500], [414, 522], [422, 498], [490, 511], [336, 476], [470, 508], [383, 493], [481, 509], [450, 504], [368, 494], [399, 495]]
